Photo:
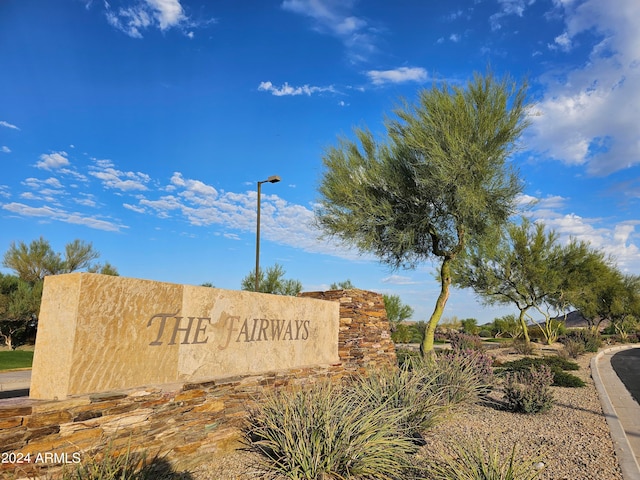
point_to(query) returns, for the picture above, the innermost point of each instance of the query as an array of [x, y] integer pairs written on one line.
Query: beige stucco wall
[[99, 333]]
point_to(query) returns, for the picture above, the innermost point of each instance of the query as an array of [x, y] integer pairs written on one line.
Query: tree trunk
[[523, 324], [426, 347]]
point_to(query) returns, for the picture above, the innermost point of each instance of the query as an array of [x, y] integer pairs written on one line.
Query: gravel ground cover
[[572, 439]]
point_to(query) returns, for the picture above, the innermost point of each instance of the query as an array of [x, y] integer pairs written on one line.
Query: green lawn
[[15, 359]]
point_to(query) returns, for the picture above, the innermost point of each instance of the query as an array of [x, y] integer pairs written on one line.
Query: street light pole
[[271, 179]]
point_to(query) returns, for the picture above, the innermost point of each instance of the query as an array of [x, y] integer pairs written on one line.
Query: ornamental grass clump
[[470, 460], [412, 392], [459, 377], [328, 432], [529, 391]]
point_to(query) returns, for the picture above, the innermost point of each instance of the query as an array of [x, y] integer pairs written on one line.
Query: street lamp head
[[273, 179]]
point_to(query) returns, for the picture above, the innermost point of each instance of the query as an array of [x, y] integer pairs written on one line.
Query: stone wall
[[186, 424]]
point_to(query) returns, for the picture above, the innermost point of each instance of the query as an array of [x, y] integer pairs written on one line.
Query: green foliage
[[473, 460], [439, 180], [346, 285], [34, 261], [328, 432], [20, 295], [470, 326], [273, 282], [460, 377], [103, 269], [126, 466], [529, 391], [411, 391], [591, 340], [552, 362], [19, 303], [506, 326], [411, 332], [15, 359], [396, 311], [557, 364], [527, 267]]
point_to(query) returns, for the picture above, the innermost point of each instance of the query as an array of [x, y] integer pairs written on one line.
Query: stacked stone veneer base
[[185, 424]]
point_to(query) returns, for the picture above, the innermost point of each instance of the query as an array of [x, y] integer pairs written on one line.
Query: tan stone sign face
[[98, 333]]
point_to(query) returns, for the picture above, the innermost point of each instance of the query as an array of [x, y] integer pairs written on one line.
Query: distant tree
[[19, 304], [106, 269], [34, 261], [397, 312], [613, 296], [20, 295], [439, 180], [346, 285], [272, 282], [506, 326], [207, 284], [470, 326], [527, 267]]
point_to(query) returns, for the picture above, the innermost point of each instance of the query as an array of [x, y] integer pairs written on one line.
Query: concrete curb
[[18, 379], [624, 452]]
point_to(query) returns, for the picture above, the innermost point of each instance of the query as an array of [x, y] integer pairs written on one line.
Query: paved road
[[626, 364]]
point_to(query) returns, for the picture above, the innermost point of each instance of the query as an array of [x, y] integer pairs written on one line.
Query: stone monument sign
[[99, 333]]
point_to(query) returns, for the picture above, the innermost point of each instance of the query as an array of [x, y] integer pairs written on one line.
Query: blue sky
[[142, 126]]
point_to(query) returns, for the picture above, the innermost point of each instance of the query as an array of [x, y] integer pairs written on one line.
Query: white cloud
[[588, 115], [50, 213], [399, 280], [398, 75], [116, 179], [5, 149], [455, 37], [620, 240], [508, 7], [161, 14], [287, 89], [202, 206], [334, 17], [8, 125], [563, 41], [52, 161]]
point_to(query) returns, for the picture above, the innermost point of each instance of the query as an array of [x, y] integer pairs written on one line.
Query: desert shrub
[[522, 347], [552, 362], [464, 341], [564, 379], [326, 431], [484, 333], [473, 460], [574, 348], [402, 334], [529, 391], [557, 364], [591, 341]]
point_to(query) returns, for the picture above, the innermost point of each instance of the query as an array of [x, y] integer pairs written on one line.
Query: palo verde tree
[[34, 261], [438, 181], [397, 312], [272, 281], [20, 294], [526, 266]]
